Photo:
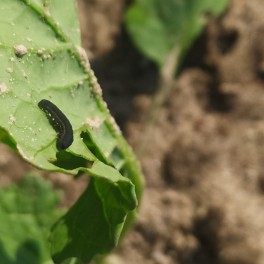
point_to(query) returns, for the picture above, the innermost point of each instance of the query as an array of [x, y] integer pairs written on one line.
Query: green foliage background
[[157, 27]]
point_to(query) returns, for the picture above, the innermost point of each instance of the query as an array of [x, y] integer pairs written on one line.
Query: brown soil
[[204, 165]]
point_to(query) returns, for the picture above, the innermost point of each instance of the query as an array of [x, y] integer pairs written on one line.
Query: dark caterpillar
[[60, 123]]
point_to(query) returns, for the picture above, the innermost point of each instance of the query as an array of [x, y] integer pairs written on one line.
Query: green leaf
[[64, 16], [40, 60], [94, 224], [27, 211], [158, 27]]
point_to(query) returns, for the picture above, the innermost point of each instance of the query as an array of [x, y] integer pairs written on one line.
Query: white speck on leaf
[[24, 74], [20, 50], [84, 58], [12, 119], [106, 107], [72, 93], [46, 56], [107, 154], [41, 51], [3, 88], [97, 89], [9, 70], [47, 12], [94, 122], [115, 125]]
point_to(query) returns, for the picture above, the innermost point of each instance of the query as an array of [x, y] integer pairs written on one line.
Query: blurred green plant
[[159, 27], [28, 210], [164, 31]]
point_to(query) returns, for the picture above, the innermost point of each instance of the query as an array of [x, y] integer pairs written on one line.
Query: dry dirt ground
[[204, 165]]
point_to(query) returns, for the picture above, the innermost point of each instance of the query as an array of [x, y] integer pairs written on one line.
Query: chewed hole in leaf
[[69, 161]]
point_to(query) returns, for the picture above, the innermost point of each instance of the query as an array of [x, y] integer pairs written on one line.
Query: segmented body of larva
[[60, 123]]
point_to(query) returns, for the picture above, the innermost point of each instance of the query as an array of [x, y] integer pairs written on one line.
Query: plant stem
[[167, 76]]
